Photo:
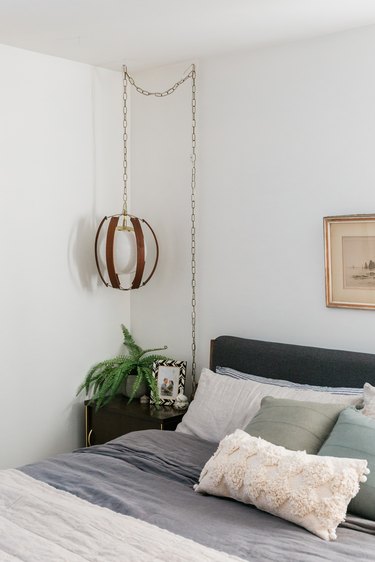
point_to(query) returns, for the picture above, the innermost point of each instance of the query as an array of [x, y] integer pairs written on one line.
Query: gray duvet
[[150, 475]]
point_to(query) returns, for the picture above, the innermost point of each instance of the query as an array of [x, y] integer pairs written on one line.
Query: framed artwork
[[350, 261], [170, 377]]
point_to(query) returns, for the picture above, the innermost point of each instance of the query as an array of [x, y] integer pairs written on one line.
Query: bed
[[133, 498]]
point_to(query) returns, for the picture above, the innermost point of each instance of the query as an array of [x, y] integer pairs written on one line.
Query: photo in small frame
[[170, 377], [350, 261]]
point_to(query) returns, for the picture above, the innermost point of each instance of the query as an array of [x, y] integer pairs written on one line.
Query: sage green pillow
[[353, 437], [294, 424]]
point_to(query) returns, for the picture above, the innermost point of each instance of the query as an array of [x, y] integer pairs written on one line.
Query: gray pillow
[[294, 424], [353, 437]]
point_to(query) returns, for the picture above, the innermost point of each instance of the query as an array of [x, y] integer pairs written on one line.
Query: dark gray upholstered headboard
[[297, 363]]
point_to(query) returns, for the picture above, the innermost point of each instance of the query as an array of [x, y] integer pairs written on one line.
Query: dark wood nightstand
[[119, 417]]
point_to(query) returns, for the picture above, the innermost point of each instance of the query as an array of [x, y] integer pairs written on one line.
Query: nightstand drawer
[[118, 417]]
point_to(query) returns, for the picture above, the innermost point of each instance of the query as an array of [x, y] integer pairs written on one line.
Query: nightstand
[[119, 417]]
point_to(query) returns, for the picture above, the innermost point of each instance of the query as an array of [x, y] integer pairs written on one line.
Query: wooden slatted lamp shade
[[122, 249]]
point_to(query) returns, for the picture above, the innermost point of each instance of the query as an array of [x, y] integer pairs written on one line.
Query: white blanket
[[39, 523]]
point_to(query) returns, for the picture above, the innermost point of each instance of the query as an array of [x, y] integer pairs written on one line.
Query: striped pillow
[[288, 384]]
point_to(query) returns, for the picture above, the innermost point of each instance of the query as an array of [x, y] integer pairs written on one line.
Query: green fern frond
[[104, 393], [154, 349], [96, 387], [118, 380], [150, 359], [95, 371], [129, 341], [137, 383]]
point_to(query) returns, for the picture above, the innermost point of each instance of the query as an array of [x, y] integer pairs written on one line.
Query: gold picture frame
[[350, 261]]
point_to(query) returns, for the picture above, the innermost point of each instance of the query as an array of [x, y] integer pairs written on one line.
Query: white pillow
[[223, 404], [308, 490], [369, 400]]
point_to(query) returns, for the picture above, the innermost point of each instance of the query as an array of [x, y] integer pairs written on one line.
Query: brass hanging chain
[[192, 75], [126, 78], [193, 231], [166, 92], [125, 147]]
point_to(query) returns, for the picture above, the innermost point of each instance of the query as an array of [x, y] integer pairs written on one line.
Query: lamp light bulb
[[124, 251]]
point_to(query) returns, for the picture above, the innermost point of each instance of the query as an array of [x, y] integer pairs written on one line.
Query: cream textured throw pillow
[[308, 490]]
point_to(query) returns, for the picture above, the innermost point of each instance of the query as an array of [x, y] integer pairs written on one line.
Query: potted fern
[[105, 379]]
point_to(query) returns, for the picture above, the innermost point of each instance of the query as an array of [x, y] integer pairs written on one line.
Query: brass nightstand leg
[[86, 427]]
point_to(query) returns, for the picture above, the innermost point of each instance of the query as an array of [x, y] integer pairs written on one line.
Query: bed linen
[[82, 530], [150, 475]]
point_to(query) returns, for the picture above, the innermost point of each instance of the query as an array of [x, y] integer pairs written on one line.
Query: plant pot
[[127, 386]]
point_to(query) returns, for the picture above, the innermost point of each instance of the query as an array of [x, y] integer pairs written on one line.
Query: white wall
[[61, 170], [286, 137]]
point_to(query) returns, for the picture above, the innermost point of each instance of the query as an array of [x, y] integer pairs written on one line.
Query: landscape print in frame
[[350, 261]]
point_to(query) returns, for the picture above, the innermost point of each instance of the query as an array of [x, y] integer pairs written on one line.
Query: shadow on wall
[[71, 422], [81, 254]]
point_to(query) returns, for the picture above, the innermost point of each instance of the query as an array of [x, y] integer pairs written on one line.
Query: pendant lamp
[[126, 245]]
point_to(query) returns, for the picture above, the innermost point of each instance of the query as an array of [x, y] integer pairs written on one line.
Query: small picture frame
[[350, 261], [170, 377]]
